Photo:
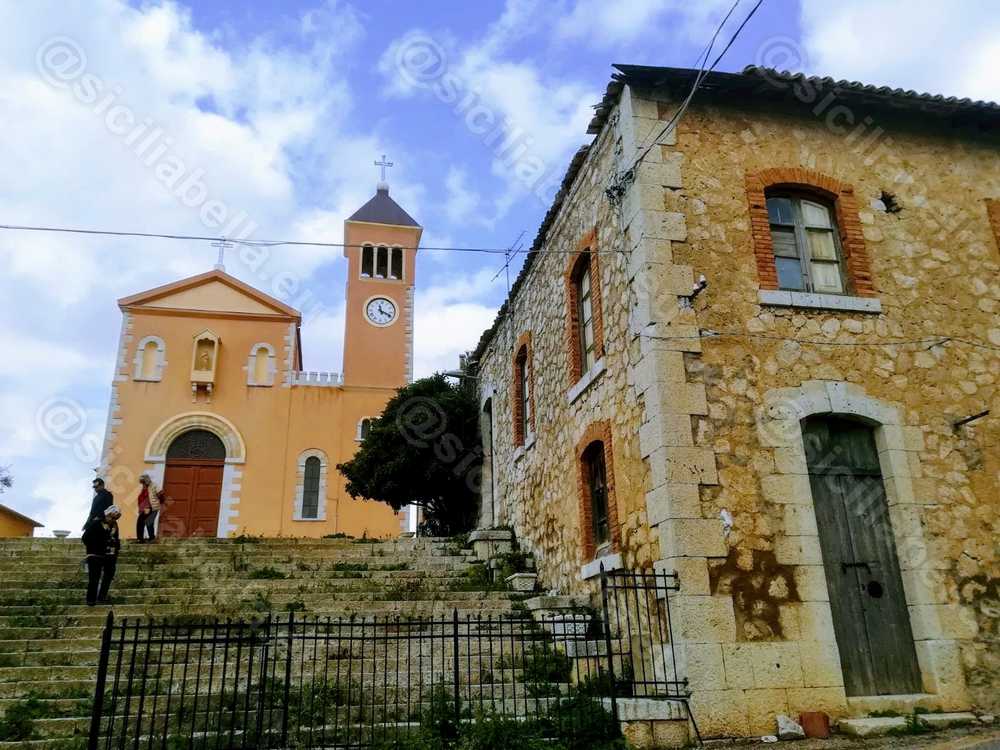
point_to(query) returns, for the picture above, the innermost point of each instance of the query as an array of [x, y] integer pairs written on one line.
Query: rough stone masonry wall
[[723, 426], [537, 486]]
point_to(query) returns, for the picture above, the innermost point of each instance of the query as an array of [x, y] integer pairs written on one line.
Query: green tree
[[6, 480], [425, 449]]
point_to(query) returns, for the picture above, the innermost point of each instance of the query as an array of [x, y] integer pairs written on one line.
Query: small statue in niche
[[205, 361]]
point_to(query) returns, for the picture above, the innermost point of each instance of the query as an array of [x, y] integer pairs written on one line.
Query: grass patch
[[342, 567], [18, 723], [913, 726], [266, 573]]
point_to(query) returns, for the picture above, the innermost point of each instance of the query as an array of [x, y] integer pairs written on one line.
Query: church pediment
[[215, 291]]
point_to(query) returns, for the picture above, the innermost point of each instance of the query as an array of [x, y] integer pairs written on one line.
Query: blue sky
[[279, 110]]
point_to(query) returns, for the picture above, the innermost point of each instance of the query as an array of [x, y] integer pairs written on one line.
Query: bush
[[425, 450], [18, 723]]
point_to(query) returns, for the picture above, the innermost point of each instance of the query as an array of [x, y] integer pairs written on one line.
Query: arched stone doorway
[[192, 482]]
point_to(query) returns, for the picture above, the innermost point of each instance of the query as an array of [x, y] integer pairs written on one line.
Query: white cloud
[[607, 24], [450, 318], [942, 48], [540, 116], [265, 119], [461, 200]]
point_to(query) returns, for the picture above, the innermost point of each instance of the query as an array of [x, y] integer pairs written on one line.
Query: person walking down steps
[[103, 499], [101, 539], [150, 498]]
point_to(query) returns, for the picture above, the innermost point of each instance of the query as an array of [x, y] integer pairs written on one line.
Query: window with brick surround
[[522, 401], [806, 233], [584, 330], [598, 510]]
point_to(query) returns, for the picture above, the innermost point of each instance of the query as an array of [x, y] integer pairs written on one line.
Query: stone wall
[[934, 270], [705, 394], [537, 485]]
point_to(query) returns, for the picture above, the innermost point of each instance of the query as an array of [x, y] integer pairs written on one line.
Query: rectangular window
[[585, 313], [598, 486], [396, 267], [367, 262], [382, 262], [522, 376], [806, 247]]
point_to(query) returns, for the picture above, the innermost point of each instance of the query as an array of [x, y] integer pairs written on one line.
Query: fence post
[[458, 697], [607, 642], [288, 679], [102, 678]]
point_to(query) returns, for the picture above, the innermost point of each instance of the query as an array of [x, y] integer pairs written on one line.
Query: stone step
[[165, 605], [11, 570], [66, 689]]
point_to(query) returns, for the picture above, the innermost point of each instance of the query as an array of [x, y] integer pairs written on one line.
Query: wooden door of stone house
[[870, 618]]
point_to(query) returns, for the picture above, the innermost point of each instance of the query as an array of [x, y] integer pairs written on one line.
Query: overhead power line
[[702, 74], [266, 243]]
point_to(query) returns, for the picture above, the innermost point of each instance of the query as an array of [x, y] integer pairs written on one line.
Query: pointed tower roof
[[382, 209]]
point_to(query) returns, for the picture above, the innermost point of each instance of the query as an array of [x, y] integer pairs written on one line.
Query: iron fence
[[366, 682]]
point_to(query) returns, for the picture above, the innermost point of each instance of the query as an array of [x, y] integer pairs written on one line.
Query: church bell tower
[[381, 242]]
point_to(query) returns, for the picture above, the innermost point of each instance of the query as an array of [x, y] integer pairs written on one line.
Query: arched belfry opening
[[193, 483]]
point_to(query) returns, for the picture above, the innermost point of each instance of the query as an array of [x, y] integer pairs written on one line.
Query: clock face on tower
[[380, 311]]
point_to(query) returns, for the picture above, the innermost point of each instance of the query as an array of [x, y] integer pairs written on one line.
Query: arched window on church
[[367, 261], [150, 359], [261, 365], [396, 266], [310, 491], [364, 427], [381, 262]]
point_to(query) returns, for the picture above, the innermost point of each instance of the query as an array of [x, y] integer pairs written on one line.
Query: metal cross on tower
[[383, 163]]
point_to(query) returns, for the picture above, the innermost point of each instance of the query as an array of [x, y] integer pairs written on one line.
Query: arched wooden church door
[[193, 485]]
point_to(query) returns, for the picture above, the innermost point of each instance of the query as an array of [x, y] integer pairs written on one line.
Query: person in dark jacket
[[103, 499], [101, 539]]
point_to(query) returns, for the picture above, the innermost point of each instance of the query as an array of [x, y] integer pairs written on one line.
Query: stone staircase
[[50, 641]]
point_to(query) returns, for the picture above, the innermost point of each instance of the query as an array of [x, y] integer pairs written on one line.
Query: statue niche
[[205, 357]]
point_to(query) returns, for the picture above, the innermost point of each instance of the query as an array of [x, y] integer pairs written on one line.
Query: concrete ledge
[[647, 709], [491, 535], [944, 721], [593, 568], [782, 298], [871, 727], [586, 381], [550, 603]]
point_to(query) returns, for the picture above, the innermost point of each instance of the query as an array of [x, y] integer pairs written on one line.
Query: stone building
[[755, 346]]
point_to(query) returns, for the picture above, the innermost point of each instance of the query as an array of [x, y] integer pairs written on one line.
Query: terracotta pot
[[816, 724]]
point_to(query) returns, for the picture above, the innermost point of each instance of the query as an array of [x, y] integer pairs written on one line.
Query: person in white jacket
[[149, 501]]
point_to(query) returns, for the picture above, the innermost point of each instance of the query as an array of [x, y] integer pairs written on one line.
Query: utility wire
[[702, 61], [266, 243], [702, 74]]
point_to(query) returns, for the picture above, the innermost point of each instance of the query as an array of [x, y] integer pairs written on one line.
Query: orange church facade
[[211, 399]]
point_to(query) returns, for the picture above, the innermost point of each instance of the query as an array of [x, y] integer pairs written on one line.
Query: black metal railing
[[365, 682]]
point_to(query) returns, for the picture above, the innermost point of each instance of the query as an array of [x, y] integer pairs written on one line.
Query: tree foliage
[[6, 480], [425, 449]]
